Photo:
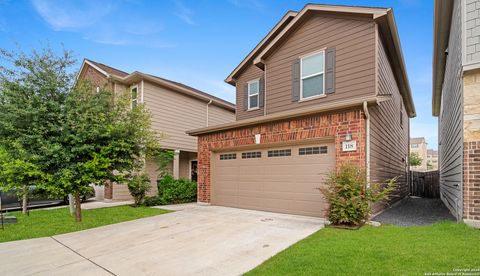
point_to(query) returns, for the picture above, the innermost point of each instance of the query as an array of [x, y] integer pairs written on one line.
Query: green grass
[[45, 223], [386, 250]]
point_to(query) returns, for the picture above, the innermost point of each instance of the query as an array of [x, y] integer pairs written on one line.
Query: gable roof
[[382, 16], [126, 78]]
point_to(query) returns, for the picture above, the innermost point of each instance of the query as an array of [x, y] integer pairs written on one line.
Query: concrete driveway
[[205, 240]]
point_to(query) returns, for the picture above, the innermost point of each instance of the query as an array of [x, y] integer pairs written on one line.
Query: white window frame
[[131, 100], [302, 98], [257, 94]]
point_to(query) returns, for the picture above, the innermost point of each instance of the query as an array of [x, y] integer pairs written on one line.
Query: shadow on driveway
[[413, 211]]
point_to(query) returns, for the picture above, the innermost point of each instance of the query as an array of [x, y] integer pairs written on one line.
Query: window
[[134, 94], [253, 154], [312, 75], [279, 153], [253, 94], [312, 150], [228, 156], [414, 146]]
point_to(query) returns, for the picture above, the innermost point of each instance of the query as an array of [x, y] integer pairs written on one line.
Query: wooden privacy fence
[[425, 184]]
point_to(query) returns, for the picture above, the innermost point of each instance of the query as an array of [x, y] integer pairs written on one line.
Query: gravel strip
[[413, 211]]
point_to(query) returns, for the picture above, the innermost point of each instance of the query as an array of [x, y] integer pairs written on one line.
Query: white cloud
[[102, 22], [3, 25], [72, 14], [184, 13]]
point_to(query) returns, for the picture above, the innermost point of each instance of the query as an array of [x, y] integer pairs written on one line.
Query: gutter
[[367, 142]]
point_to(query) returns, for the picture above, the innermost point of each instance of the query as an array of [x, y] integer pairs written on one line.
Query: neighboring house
[[419, 146], [456, 102], [175, 108], [326, 86], [432, 160]]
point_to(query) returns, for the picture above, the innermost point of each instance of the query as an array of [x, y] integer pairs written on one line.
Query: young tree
[[64, 137], [32, 92], [415, 159], [102, 140]]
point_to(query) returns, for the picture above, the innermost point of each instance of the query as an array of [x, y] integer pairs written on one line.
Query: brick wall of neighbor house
[[335, 124], [471, 180], [471, 146], [96, 78]]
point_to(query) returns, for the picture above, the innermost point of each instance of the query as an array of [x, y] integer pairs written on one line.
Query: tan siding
[[173, 114], [250, 73], [354, 41], [389, 141], [218, 115]]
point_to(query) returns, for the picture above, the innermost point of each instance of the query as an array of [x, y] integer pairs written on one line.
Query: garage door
[[280, 179]]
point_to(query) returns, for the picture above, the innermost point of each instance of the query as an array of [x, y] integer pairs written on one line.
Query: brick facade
[[335, 125], [471, 180]]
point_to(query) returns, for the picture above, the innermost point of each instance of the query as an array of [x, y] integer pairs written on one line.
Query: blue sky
[[197, 42]]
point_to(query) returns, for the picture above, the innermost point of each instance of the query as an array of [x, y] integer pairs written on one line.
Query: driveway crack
[[89, 260]]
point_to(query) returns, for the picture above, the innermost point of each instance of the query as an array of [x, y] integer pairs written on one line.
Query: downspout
[[208, 104], [367, 143], [265, 91]]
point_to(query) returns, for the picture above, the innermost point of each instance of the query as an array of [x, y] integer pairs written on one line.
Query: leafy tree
[[65, 137], [32, 91], [415, 159], [102, 141]]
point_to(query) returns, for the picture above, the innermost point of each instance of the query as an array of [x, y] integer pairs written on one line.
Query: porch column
[[176, 165]]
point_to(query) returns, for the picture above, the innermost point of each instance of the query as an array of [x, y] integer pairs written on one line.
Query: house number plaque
[[349, 146]]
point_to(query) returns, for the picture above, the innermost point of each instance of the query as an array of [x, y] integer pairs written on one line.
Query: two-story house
[[418, 146], [326, 86], [456, 103], [175, 108]]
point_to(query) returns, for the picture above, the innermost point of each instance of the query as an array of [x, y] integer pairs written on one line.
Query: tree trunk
[[78, 207], [25, 200]]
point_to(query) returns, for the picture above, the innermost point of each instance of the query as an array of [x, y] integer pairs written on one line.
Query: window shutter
[[261, 92], [330, 70], [296, 80], [245, 96]]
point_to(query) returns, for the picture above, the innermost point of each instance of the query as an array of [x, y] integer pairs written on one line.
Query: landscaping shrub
[[172, 191], [346, 191], [138, 186], [153, 201]]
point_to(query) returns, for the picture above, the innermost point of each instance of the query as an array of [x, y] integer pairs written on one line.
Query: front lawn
[[386, 250], [45, 223]]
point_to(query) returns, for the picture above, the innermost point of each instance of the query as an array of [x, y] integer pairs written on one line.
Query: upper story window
[[134, 95], [312, 75], [414, 146], [253, 94]]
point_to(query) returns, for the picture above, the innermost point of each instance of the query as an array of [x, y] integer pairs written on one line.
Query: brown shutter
[[330, 70], [296, 80], [245, 96], [261, 92]]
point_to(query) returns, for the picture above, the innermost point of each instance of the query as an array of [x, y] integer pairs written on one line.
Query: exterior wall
[[471, 144], [218, 115], [96, 78], [185, 158], [175, 113], [252, 72], [432, 160], [354, 41], [419, 146], [327, 125], [451, 121], [389, 131], [472, 30]]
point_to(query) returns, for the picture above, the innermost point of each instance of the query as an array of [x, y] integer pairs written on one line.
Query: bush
[[173, 191], [138, 186], [153, 201], [349, 198]]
